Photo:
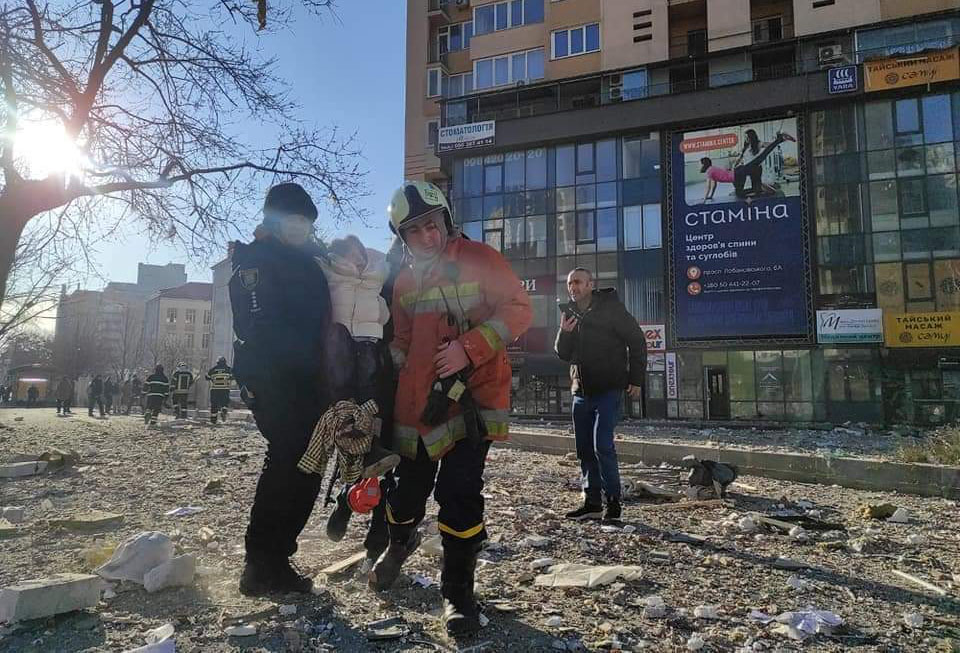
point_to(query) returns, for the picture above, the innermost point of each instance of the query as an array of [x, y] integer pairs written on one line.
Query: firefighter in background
[[220, 377], [182, 380], [156, 387], [454, 311]]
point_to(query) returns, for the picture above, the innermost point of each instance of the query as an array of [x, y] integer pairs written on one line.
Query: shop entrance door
[[718, 393]]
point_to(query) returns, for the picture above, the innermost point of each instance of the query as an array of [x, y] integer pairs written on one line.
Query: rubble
[[900, 516], [689, 562], [19, 470], [176, 572], [89, 521], [45, 597], [13, 514], [577, 575]]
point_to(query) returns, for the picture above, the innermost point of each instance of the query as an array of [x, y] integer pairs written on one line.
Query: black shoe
[[586, 511], [378, 461], [339, 518], [279, 577], [612, 512], [461, 614], [385, 572]]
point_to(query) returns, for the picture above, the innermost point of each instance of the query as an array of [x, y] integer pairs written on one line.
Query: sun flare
[[44, 149]]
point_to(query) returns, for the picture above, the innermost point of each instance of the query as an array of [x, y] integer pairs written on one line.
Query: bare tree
[[167, 350], [152, 91], [42, 260], [77, 348], [127, 353]]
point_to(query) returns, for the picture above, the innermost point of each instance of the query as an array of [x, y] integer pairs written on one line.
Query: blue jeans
[[594, 419]]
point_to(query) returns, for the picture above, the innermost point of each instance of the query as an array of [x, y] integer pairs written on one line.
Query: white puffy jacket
[[357, 303]]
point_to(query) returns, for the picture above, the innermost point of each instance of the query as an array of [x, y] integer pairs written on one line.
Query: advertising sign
[[922, 329], [911, 70], [842, 79], [738, 245], [462, 137], [855, 325], [655, 334], [673, 390]]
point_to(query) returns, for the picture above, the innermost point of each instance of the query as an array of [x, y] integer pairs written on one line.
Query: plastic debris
[[540, 563], [916, 539], [536, 541], [797, 583], [183, 511], [136, 556], [159, 640], [240, 631], [577, 575], [654, 607], [423, 581], [287, 610], [554, 622], [695, 643], [801, 624], [913, 620], [707, 612]]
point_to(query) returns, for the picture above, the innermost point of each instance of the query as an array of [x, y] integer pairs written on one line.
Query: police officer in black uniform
[[282, 317]]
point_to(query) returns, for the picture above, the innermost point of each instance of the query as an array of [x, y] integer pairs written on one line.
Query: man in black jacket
[[282, 318], [607, 354]]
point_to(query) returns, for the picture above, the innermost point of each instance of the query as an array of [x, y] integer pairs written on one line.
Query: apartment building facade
[[178, 327], [770, 185]]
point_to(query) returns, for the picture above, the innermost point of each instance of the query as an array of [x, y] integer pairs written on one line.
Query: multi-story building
[[101, 331], [178, 325], [771, 186]]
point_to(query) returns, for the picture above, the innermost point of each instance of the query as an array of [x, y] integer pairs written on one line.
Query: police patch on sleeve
[[249, 278]]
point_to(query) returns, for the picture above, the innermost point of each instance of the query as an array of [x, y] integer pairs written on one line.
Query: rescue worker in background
[[64, 396], [182, 380], [109, 392], [220, 377], [282, 318], [157, 387], [125, 390], [136, 396], [454, 311], [95, 395]]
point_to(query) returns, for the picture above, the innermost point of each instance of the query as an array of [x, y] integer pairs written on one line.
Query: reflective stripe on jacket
[[470, 294]]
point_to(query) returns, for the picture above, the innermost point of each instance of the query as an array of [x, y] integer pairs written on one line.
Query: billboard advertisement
[[738, 248]]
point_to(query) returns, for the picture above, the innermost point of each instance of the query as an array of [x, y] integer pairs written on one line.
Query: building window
[[575, 41], [207, 317], [434, 82], [907, 38], [504, 15], [171, 316], [767, 29], [205, 340], [188, 340], [508, 69], [190, 316], [433, 128], [458, 85], [642, 227], [453, 38]]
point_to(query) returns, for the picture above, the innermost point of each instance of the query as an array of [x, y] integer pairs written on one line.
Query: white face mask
[[294, 229]]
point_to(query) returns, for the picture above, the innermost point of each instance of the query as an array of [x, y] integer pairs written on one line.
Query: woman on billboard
[[749, 164]]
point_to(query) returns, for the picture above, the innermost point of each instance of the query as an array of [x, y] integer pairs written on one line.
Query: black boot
[[461, 614], [404, 540], [213, 417], [272, 577], [340, 517], [378, 461]]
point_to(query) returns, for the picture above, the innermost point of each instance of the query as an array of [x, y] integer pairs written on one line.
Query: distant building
[[177, 326], [151, 278]]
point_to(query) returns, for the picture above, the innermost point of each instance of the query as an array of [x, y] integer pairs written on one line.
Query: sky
[[349, 74]]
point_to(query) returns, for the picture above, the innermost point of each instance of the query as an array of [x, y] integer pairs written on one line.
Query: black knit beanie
[[287, 199]]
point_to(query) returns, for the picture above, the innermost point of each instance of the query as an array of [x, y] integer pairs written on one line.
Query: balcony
[[438, 12]]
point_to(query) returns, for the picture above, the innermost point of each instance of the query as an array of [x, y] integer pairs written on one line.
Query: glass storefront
[[884, 214]]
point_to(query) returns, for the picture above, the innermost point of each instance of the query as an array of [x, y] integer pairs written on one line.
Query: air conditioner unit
[[463, 3], [615, 80], [830, 55], [616, 93]]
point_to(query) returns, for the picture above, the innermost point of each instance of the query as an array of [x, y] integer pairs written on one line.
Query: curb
[[856, 473]]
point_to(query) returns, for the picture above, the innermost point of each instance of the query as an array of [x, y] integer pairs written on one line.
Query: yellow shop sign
[[922, 329], [912, 70]]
